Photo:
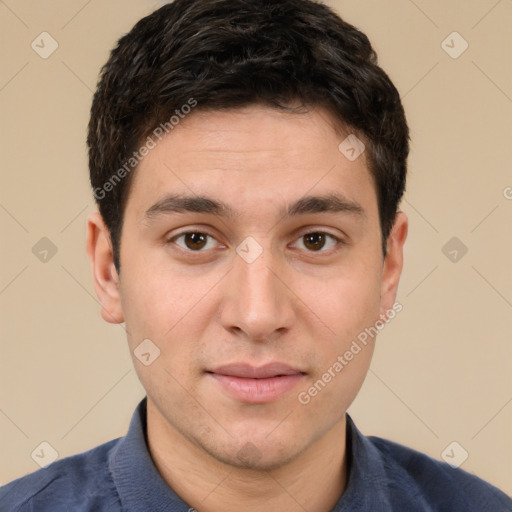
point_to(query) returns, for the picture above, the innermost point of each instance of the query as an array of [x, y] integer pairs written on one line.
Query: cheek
[[164, 309], [155, 296], [347, 301], [349, 307], [170, 308]]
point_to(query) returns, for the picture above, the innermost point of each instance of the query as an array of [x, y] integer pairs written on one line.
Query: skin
[[298, 303]]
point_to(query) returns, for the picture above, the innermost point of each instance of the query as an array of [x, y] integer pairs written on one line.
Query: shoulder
[[437, 484], [81, 482]]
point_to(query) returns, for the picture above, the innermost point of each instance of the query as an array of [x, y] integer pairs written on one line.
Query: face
[[251, 258]]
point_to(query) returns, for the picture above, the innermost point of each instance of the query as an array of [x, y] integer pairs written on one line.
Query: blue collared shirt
[[120, 476]]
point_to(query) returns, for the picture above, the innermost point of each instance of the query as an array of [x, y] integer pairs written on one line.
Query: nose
[[257, 302]]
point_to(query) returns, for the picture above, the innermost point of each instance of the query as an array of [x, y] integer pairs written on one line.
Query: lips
[[247, 371], [256, 385]]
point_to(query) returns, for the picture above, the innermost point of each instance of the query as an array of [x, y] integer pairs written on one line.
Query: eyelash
[[338, 241]]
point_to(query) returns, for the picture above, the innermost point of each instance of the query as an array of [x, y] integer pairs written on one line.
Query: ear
[[106, 279], [393, 262]]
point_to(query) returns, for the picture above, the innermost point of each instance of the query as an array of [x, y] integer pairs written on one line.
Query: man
[[248, 159]]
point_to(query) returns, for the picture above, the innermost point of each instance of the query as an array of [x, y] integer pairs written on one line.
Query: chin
[[250, 458], [261, 455]]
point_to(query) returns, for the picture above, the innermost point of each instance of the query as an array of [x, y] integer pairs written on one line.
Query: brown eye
[[192, 240], [314, 241], [318, 241], [195, 240]]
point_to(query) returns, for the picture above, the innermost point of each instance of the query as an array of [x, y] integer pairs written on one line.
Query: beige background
[[441, 371]]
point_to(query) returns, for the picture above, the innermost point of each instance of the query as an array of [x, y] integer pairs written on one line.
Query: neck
[[314, 480]]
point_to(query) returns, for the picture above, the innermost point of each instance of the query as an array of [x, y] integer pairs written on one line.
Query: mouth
[[256, 385]]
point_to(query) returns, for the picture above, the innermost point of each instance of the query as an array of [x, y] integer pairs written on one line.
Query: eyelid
[[338, 240], [317, 229], [188, 231]]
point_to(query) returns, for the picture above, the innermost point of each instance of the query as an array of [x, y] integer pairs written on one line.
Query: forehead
[[253, 157]]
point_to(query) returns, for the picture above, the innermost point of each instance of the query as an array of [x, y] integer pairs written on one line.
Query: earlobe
[[393, 262], [106, 279]]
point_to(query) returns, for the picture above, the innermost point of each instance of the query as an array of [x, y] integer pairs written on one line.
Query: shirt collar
[[141, 487], [367, 486], [138, 482]]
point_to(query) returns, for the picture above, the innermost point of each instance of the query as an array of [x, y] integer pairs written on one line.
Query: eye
[[193, 240], [316, 241]]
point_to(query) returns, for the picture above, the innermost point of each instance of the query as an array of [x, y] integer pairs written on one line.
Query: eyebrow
[[173, 203]]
